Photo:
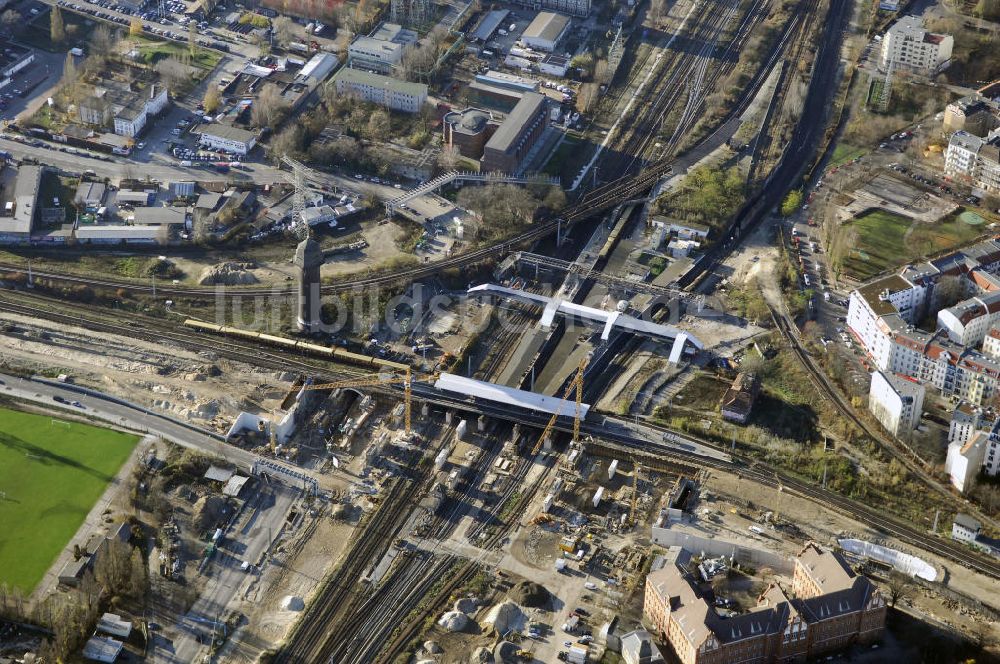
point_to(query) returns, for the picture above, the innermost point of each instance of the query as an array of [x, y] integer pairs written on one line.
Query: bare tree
[[173, 72], [10, 19], [448, 159], [102, 40], [268, 107], [283, 28], [378, 125], [113, 568], [899, 586], [57, 28], [585, 99]]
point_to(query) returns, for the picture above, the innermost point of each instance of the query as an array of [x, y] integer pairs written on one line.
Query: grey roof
[[356, 76], [29, 179], [156, 216], [90, 191], [227, 132], [510, 130], [489, 24], [548, 26], [637, 646], [208, 201], [967, 521], [219, 474], [966, 140]]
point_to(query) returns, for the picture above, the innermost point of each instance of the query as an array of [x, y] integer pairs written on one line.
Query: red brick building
[[829, 608]]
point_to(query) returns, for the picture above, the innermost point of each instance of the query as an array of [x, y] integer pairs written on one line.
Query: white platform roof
[[607, 319], [508, 395]]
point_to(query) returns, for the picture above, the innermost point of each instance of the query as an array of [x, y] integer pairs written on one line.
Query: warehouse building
[[507, 148], [394, 94], [546, 31], [19, 213], [571, 7], [225, 137]]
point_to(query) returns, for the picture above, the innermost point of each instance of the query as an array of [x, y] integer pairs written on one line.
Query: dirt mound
[[432, 647], [466, 605], [228, 274], [481, 656], [530, 594], [454, 621], [504, 617], [208, 512], [506, 653]]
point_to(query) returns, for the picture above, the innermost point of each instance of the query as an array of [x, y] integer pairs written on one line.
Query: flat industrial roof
[[29, 179], [508, 395], [227, 132], [359, 77], [510, 130], [548, 26]]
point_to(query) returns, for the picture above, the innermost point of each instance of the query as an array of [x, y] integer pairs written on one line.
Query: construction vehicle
[[391, 377], [577, 384]]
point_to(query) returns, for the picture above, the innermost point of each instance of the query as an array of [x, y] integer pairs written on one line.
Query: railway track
[[316, 636], [150, 330]]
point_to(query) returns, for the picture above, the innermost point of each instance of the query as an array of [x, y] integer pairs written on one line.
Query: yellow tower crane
[[576, 383], [393, 377]]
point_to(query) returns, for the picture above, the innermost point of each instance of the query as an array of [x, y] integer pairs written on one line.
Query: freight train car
[[336, 354]]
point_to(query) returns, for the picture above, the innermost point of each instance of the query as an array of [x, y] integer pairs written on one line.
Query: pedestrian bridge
[[606, 320]]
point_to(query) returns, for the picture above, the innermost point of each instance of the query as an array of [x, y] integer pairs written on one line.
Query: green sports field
[[51, 474]]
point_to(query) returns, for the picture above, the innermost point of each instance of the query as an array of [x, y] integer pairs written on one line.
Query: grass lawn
[[52, 473], [153, 50], [565, 162], [951, 231], [844, 153], [879, 245], [883, 241]]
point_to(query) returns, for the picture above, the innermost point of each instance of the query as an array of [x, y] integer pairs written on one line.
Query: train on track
[[334, 353]]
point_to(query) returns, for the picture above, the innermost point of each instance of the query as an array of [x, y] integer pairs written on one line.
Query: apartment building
[[974, 114], [829, 608], [974, 159], [882, 314], [973, 446], [571, 7], [394, 94], [125, 110], [383, 50], [895, 402], [906, 45]]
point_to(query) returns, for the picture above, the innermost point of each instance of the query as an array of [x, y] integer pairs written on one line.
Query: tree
[[586, 98], [792, 203], [192, 39], [288, 142], [113, 567], [139, 574], [378, 125], [135, 28], [173, 72], [70, 76], [601, 72], [283, 29], [57, 28], [899, 586], [102, 40], [10, 18], [448, 159], [268, 107], [212, 100]]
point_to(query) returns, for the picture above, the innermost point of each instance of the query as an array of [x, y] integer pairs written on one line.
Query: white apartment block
[[991, 344], [964, 462], [907, 45], [382, 90], [968, 322], [965, 422], [895, 402], [974, 159], [882, 313]]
